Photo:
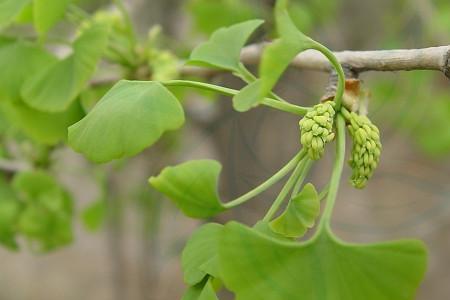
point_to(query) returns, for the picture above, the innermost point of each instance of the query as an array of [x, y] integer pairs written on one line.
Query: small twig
[[13, 166]]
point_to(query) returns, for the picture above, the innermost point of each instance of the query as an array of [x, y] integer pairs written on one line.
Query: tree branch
[[432, 58]]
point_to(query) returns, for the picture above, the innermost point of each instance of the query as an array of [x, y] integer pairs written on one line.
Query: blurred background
[[128, 239]]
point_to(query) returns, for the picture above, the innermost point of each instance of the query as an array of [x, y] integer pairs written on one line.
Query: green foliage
[[199, 257], [47, 13], [54, 88], [192, 186], [94, 215], [248, 97], [129, 118], [201, 291], [300, 214], [257, 267], [210, 15], [9, 9], [45, 216], [224, 47]]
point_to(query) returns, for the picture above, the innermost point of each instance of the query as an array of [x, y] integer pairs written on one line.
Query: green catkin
[[366, 149], [316, 129]]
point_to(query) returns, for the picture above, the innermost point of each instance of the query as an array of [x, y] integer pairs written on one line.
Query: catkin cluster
[[366, 149], [316, 129]]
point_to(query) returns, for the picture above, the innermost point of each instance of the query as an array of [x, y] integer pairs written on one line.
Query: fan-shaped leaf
[[278, 55], [192, 186], [199, 257], [256, 267], [130, 117], [224, 47], [299, 215], [57, 86], [201, 291]]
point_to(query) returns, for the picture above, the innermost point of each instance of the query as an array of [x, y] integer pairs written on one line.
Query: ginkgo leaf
[[248, 97], [299, 215], [9, 9], [223, 49], [257, 267], [192, 186], [199, 255], [47, 13], [19, 61], [45, 128], [278, 55], [201, 291], [57, 86], [129, 118]]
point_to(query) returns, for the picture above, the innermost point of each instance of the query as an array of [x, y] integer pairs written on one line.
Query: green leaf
[[19, 61], [46, 220], [224, 47], [47, 13], [10, 210], [248, 97], [56, 87], [9, 9], [256, 267], [200, 254], [209, 16], [94, 215], [299, 215], [129, 118], [278, 55], [192, 186], [201, 291], [45, 128]]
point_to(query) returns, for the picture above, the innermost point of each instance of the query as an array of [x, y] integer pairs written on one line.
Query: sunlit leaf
[[299, 215], [9, 9], [56, 87], [129, 118], [47, 13], [192, 186], [199, 255], [256, 267], [223, 49]]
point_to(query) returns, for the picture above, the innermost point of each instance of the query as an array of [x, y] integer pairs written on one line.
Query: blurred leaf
[[224, 46], [129, 118], [47, 13], [164, 65], [56, 87], [46, 220], [210, 15], [299, 215], [248, 97], [255, 267], [46, 128], [9, 9], [10, 209], [94, 215], [90, 96], [19, 61], [200, 251], [192, 186]]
